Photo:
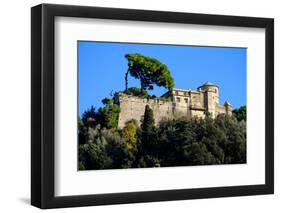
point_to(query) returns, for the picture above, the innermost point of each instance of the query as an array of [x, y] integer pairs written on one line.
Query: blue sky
[[102, 67]]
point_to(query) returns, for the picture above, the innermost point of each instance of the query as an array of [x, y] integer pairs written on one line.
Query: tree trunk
[[142, 86], [126, 80]]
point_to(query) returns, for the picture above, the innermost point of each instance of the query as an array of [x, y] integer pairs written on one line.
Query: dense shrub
[[241, 113], [135, 91], [176, 142]]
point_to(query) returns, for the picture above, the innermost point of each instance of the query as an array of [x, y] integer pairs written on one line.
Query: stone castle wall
[[182, 103], [133, 107]]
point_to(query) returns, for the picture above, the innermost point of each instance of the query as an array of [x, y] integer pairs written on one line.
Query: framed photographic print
[[140, 106]]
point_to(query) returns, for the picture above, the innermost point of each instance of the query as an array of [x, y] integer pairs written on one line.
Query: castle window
[[178, 100], [186, 100]]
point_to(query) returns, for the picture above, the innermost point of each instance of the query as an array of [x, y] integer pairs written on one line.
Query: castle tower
[[228, 108], [211, 97]]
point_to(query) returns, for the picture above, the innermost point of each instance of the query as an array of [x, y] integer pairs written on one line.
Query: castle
[[174, 103]]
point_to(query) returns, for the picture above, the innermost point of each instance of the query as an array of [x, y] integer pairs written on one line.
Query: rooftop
[[208, 83]]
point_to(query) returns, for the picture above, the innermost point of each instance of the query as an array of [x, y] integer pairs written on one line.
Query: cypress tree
[[148, 120]]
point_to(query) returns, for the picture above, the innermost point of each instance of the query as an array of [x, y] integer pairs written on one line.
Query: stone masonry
[[175, 103]]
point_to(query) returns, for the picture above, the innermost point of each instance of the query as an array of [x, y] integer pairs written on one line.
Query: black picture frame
[[43, 117]]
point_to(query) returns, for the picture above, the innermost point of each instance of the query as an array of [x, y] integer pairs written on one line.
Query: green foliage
[[202, 141], [149, 70], [137, 92], [109, 112], [241, 113], [93, 154], [175, 142], [81, 166], [91, 117], [105, 149], [129, 134], [148, 119], [82, 131], [106, 116], [149, 144], [234, 141]]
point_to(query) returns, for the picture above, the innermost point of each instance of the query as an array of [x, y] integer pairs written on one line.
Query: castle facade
[[173, 104]]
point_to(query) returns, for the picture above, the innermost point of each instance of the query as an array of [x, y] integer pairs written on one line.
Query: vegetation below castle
[[176, 142], [138, 92]]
